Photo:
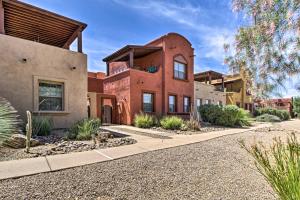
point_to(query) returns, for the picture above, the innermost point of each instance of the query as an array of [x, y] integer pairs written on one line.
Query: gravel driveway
[[215, 169]]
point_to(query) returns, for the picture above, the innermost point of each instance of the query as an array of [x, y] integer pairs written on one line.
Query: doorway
[[107, 114]]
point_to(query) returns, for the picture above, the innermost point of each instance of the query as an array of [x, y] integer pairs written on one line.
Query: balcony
[[28, 22]]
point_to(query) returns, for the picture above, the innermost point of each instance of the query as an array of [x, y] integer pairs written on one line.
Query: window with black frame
[[186, 104], [172, 103], [198, 103], [148, 100], [179, 70], [50, 96]]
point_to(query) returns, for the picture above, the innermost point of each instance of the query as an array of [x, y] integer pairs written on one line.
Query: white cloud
[[189, 16]]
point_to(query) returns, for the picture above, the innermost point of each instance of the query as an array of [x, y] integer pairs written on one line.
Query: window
[[172, 103], [148, 99], [179, 70], [207, 101], [198, 103], [50, 96], [186, 104]]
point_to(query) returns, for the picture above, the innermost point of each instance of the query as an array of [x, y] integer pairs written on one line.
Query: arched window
[[180, 67]]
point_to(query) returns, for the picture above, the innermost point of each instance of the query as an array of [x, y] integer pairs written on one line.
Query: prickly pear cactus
[[28, 130]]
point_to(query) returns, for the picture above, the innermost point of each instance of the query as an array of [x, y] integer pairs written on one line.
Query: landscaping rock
[[18, 141]]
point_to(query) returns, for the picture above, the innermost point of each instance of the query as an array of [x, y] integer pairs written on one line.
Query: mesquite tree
[[269, 45]]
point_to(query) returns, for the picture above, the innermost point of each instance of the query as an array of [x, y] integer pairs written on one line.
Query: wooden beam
[[79, 42], [72, 38], [43, 12], [131, 57], [2, 30]]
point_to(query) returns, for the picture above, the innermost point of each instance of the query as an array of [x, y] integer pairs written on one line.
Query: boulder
[[18, 141]]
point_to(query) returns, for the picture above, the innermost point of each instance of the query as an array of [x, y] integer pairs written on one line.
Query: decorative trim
[[36, 80]]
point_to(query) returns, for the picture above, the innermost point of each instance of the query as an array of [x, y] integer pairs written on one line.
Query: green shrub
[[296, 106], [9, 123], [229, 115], [210, 113], [143, 120], [41, 126], [280, 165], [172, 122], [84, 129], [268, 118], [282, 114]]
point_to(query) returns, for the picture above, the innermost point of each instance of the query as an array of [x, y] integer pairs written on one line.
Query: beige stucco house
[[38, 72], [205, 92]]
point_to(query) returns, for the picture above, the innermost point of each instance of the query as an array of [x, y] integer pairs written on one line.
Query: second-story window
[[179, 70]]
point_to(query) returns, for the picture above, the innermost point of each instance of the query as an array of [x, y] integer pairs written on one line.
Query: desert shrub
[[84, 129], [282, 114], [210, 113], [9, 124], [229, 115], [268, 118], [280, 165], [143, 120], [172, 122], [296, 106], [41, 126]]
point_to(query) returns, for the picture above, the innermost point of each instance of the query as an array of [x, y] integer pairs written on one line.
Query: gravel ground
[[61, 147], [214, 169]]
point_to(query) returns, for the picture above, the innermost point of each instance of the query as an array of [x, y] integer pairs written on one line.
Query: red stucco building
[[155, 78]]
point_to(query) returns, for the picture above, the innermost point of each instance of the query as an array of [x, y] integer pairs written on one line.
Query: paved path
[[18, 168]]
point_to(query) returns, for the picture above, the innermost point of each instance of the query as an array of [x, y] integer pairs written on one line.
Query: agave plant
[[9, 123]]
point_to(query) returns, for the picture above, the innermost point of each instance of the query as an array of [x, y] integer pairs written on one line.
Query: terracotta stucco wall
[[119, 85], [174, 45], [205, 91], [17, 77]]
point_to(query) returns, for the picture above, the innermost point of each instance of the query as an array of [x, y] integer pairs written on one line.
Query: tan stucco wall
[[18, 77], [204, 91]]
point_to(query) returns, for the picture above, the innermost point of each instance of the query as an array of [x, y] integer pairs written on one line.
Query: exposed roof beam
[[72, 38]]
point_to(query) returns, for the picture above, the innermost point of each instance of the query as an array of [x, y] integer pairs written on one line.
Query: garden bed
[[57, 144], [204, 129]]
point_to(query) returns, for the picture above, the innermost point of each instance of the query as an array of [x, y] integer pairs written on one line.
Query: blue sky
[[112, 24]]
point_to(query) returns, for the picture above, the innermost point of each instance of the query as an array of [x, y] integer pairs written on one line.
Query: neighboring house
[[156, 78], [280, 104], [237, 87], [38, 71], [205, 93]]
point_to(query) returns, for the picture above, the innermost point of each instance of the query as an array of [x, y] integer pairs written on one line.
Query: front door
[[107, 114]]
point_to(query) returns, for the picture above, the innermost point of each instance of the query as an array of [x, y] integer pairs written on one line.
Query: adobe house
[[279, 104], [236, 87], [205, 92], [155, 78], [38, 71]]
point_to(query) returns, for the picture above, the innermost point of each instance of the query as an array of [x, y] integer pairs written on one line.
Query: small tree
[[268, 44]]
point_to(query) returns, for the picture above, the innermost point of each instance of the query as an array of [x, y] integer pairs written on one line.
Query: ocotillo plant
[[28, 130]]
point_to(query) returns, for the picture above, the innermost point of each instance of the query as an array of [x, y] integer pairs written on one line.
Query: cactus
[[28, 130]]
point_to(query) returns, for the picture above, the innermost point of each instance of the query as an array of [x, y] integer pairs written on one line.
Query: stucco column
[[2, 30]]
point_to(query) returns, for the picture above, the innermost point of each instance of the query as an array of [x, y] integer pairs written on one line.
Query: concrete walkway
[[18, 168]]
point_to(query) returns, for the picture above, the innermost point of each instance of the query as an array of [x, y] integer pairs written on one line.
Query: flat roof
[[203, 76], [28, 22], [138, 50]]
